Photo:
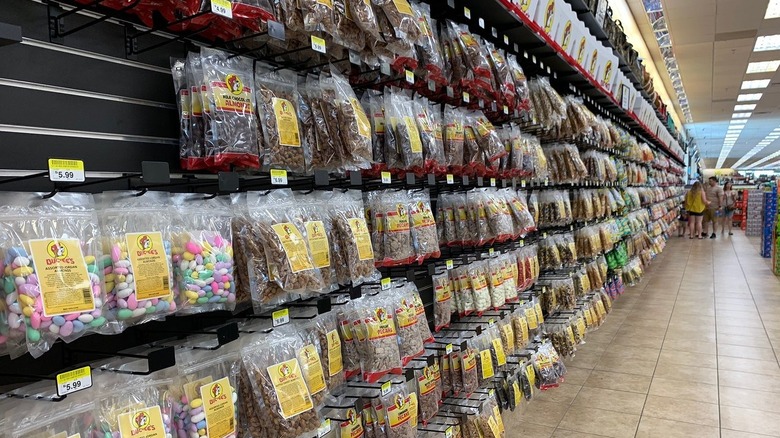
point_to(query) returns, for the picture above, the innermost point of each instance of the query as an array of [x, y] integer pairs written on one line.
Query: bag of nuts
[[429, 388], [422, 318], [230, 123], [324, 153], [454, 119], [424, 234], [429, 125], [496, 282], [280, 220], [353, 238], [442, 304], [400, 110], [377, 337], [478, 279], [398, 411], [274, 387], [398, 247], [410, 343], [466, 296], [364, 16], [278, 108], [320, 235], [353, 124], [350, 357], [468, 362]]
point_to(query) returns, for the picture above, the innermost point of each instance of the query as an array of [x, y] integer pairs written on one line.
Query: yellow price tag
[[318, 44], [281, 317], [278, 177], [222, 7], [450, 264], [74, 380], [66, 170], [386, 178], [385, 283]]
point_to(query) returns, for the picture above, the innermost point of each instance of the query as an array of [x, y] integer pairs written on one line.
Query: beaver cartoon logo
[[288, 232], [351, 416], [593, 59], [607, 72], [285, 370], [401, 209], [399, 401], [549, 16], [381, 315], [141, 420], [427, 373], [234, 84], [566, 35], [525, 4], [215, 390], [57, 250], [284, 107], [581, 51]]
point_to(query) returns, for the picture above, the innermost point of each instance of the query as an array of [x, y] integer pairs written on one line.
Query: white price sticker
[[66, 170], [222, 7], [491, 251], [450, 179], [386, 177], [409, 76], [506, 110], [492, 182], [522, 183], [466, 97], [450, 264], [506, 40], [467, 12], [385, 283], [278, 177], [431, 85], [281, 317], [318, 44], [448, 432], [74, 380], [481, 23], [448, 349], [324, 428]]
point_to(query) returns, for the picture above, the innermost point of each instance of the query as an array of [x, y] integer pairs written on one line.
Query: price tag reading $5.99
[[66, 170], [74, 380]]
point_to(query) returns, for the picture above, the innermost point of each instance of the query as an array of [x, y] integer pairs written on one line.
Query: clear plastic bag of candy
[[202, 253], [52, 281], [136, 261], [130, 404]]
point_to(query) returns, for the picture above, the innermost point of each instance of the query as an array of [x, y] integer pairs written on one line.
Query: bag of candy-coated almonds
[[202, 253], [24, 418], [51, 280], [136, 261], [205, 393]]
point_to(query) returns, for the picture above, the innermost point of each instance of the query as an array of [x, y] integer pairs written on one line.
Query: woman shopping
[[695, 204], [729, 205]]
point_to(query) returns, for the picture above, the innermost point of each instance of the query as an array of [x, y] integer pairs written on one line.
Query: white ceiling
[[713, 42]]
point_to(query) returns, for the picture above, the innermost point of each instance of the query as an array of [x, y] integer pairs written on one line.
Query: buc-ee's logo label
[[145, 245], [142, 422], [58, 253], [234, 84], [285, 370], [217, 393]]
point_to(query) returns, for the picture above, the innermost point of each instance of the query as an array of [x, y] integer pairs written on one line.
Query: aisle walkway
[[692, 351]]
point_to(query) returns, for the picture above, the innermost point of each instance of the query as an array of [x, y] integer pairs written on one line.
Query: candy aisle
[[385, 219]]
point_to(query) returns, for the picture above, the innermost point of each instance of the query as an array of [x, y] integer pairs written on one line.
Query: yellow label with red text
[[142, 423]]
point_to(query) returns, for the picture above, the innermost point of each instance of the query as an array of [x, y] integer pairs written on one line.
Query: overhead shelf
[[541, 54]]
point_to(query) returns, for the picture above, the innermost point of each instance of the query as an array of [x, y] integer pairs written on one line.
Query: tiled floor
[[689, 352]]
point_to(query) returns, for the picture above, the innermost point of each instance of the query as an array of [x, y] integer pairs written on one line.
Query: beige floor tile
[[618, 381], [648, 341], [747, 352], [744, 331], [748, 365], [726, 433], [676, 409], [600, 422], [747, 398], [650, 427], [688, 359], [577, 376], [748, 341], [626, 352], [515, 427], [563, 394], [688, 345], [609, 400], [584, 359], [685, 390], [686, 373], [545, 413], [745, 321], [750, 420], [758, 382], [627, 366], [563, 433], [647, 323]]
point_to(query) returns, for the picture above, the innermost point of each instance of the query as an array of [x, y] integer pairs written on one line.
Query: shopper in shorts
[[682, 222], [714, 194], [729, 205], [695, 204]]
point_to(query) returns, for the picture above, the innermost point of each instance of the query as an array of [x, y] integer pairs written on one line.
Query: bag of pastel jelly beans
[[136, 261], [33, 417], [202, 253], [129, 405], [205, 394], [51, 280]]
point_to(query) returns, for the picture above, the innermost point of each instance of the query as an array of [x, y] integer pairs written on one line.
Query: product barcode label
[[222, 7], [278, 177], [409, 76], [74, 380], [318, 44], [66, 170], [450, 264], [450, 179], [385, 283], [281, 317], [386, 178]]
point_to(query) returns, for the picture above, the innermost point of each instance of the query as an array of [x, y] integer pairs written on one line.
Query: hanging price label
[[386, 178], [506, 110], [386, 387], [449, 264], [318, 44], [385, 283], [75, 380], [522, 183], [431, 85], [491, 251], [481, 23], [278, 177], [492, 182], [409, 76], [466, 97], [522, 242], [66, 170], [324, 428], [450, 179], [222, 7], [354, 57], [448, 349], [448, 432], [467, 12], [281, 317], [506, 40]]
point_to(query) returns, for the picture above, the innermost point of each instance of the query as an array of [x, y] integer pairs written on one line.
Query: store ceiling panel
[[714, 43]]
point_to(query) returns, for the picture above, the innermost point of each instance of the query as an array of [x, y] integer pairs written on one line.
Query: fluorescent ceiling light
[[749, 97], [772, 10], [740, 115], [766, 43], [760, 83], [763, 67], [745, 107]]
